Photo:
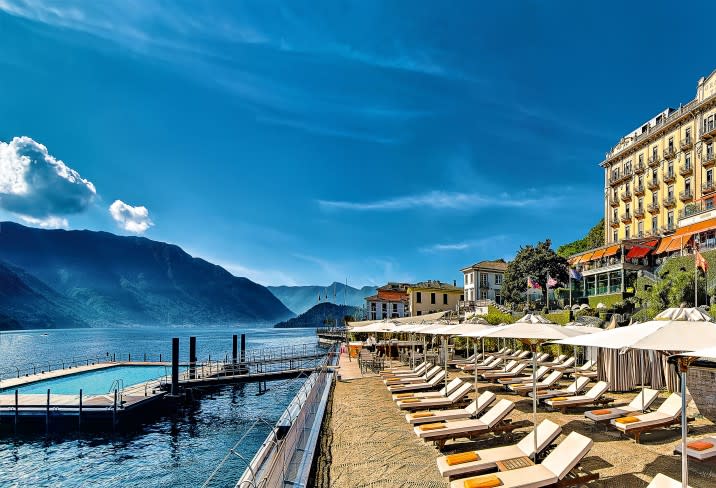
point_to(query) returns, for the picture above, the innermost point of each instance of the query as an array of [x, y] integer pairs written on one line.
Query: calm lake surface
[[179, 449]]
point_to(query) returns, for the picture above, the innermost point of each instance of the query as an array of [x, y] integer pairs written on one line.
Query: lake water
[[180, 449]]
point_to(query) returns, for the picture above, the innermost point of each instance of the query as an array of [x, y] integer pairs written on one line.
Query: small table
[[514, 463]]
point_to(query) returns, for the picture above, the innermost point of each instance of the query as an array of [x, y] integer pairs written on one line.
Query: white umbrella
[[532, 332], [683, 329]]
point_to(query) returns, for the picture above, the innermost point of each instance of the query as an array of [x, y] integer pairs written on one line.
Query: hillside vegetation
[[594, 238]]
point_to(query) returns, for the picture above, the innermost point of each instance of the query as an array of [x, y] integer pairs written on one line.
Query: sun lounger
[[471, 411], [559, 468], [663, 481], [420, 368], [394, 380], [493, 421], [428, 385], [495, 375], [440, 402], [444, 391], [524, 388], [574, 388], [566, 365], [465, 464], [557, 360], [592, 397], [701, 450], [505, 353], [635, 406], [541, 371], [668, 414], [492, 364], [470, 359]]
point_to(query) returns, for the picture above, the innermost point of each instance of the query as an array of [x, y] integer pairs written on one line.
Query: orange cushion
[[699, 445], [463, 457], [422, 415], [606, 411], [485, 481], [559, 399], [405, 395], [411, 400], [627, 420], [433, 426]]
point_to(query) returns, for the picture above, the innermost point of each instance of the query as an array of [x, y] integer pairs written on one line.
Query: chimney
[[454, 282]]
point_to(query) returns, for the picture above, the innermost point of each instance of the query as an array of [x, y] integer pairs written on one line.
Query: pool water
[[96, 382]]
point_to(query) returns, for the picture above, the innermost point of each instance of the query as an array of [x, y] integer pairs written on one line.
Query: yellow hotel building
[[662, 175]]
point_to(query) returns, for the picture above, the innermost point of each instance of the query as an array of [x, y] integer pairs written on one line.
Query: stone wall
[[701, 384]]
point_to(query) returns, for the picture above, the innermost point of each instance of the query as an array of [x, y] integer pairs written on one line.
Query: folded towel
[[605, 411], [699, 445], [485, 481], [411, 400], [461, 458], [559, 399], [422, 415], [434, 426], [405, 395], [627, 420]]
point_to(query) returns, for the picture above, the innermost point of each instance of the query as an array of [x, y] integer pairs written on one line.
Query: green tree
[[536, 262], [594, 238], [675, 288]]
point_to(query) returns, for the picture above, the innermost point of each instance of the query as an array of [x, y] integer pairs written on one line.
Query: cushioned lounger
[[574, 388], [548, 382], [494, 375], [448, 401], [467, 428], [401, 370], [663, 481], [541, 371], [667, 414], [635, 405], [396, 380], [547, 432], [589, 398], [471, 411], [427, 385], [702, 452], [444, 391]]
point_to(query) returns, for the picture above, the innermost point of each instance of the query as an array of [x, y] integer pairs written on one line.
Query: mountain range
[[60, 278], [322, 315], [301, 298]]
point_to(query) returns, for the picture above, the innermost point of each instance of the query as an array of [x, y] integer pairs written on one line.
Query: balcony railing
[[696, 208], [653, 160], [685, 170], [614, 200], [668, 228], [639, 213], [708, 187], [614, 224], [639, 168], [708, 132], [669, 177], [709, 159], [613, 180], [626, 196], [626, 217], [653, 207], [669, 202], [669, 152], [653, 184], [686, 196], [687, 144]]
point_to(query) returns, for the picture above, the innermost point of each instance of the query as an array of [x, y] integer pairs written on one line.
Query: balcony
[[667, 229], [639, 190], [653, 184], [613, 200], [708, 187], [626, 218], [696, 208], [639, 213], [653, 160], [626, 196], [614, 224], [669, 152], [639, 168], [687, 144], [686, 196], [709, 159], [685, 170], [653, 208], [669, 202], [615, 180], [669, 177], [708, 132]]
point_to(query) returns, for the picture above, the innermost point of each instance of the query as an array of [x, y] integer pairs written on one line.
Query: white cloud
[[482, 245], [129, 218], [46, 223], [35, 184]]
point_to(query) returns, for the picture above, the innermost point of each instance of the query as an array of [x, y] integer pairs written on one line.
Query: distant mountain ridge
[[322, 315], [98, 278], [298, 299]]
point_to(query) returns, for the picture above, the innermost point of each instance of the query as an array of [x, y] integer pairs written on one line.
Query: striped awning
[[599, 253], [585, 257], [611, 251], [637, 252]]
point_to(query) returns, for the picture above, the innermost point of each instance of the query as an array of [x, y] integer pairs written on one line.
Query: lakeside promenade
[[371, 445]]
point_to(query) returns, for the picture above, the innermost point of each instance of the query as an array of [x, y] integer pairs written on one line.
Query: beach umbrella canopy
[[376, 327], [584, 329], [682, 329], [533, 330]]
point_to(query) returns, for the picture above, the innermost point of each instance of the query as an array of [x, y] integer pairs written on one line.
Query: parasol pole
[[474, 348], [683, 368], [534, 395]]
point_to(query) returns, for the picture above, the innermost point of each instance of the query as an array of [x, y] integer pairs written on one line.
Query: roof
[[435, 285], [495, 265], [392, 296]]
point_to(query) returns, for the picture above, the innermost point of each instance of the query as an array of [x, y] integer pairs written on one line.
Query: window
[[670, 191], [462, 298], [709, 176], [670, 169], [670, 219], [688, 135], [483, 280], [641, 229], [641, 159], [432, 299], [395, 308], [418, 297], [641, 181], [654, 174], [640, 204], [687, 185], [615, 194], [445, 301], [483, 294], [687, 161], [654, 224], [615, 236], [671, 143], [627, 232], [655, 199], [709, 150], [419, 312], [372, 306], [655, 152], [384, 309], [627, 167], [615, 215], [498, 279], [628, 209], [627, 187]]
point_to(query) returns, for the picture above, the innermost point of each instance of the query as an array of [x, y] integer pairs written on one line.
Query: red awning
[[637, 252]]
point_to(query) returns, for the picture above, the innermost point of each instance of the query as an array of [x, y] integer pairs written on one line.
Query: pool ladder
[[118, 385]]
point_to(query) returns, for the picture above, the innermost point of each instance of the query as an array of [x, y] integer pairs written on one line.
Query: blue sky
[[307, 142]]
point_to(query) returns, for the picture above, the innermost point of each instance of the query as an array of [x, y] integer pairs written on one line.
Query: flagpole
[[696, 278], [570, 289]]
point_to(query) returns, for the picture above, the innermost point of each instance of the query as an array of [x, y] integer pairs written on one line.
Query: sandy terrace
[[373, 446]]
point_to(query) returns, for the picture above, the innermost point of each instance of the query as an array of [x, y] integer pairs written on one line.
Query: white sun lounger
[[548, 382], [420, 368], [705, 455], [444, 391], [470, 359], [495, 375], [591, 397], [557, 360], [635, 406], [541, 371], [426, 385], [487, 364], [547, 432], [448, 401], [574, 388], [557, 466], [456, 429], [413, 378], [669, 413], [565, 365], [663, 481], [473, 410]]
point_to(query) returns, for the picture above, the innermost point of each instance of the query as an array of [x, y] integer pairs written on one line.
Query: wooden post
[[114, 411], [175, 366], [17, 408], [192, 357], [47, 412], [129, 357], [234, 347], [243, 348], [79, 413]]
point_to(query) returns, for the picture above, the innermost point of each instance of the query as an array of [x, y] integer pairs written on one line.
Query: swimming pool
[[97, 382]]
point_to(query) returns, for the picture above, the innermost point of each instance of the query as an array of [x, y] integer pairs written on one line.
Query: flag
[[532, 284], [701, 262], [575, 275], [551, 282]]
